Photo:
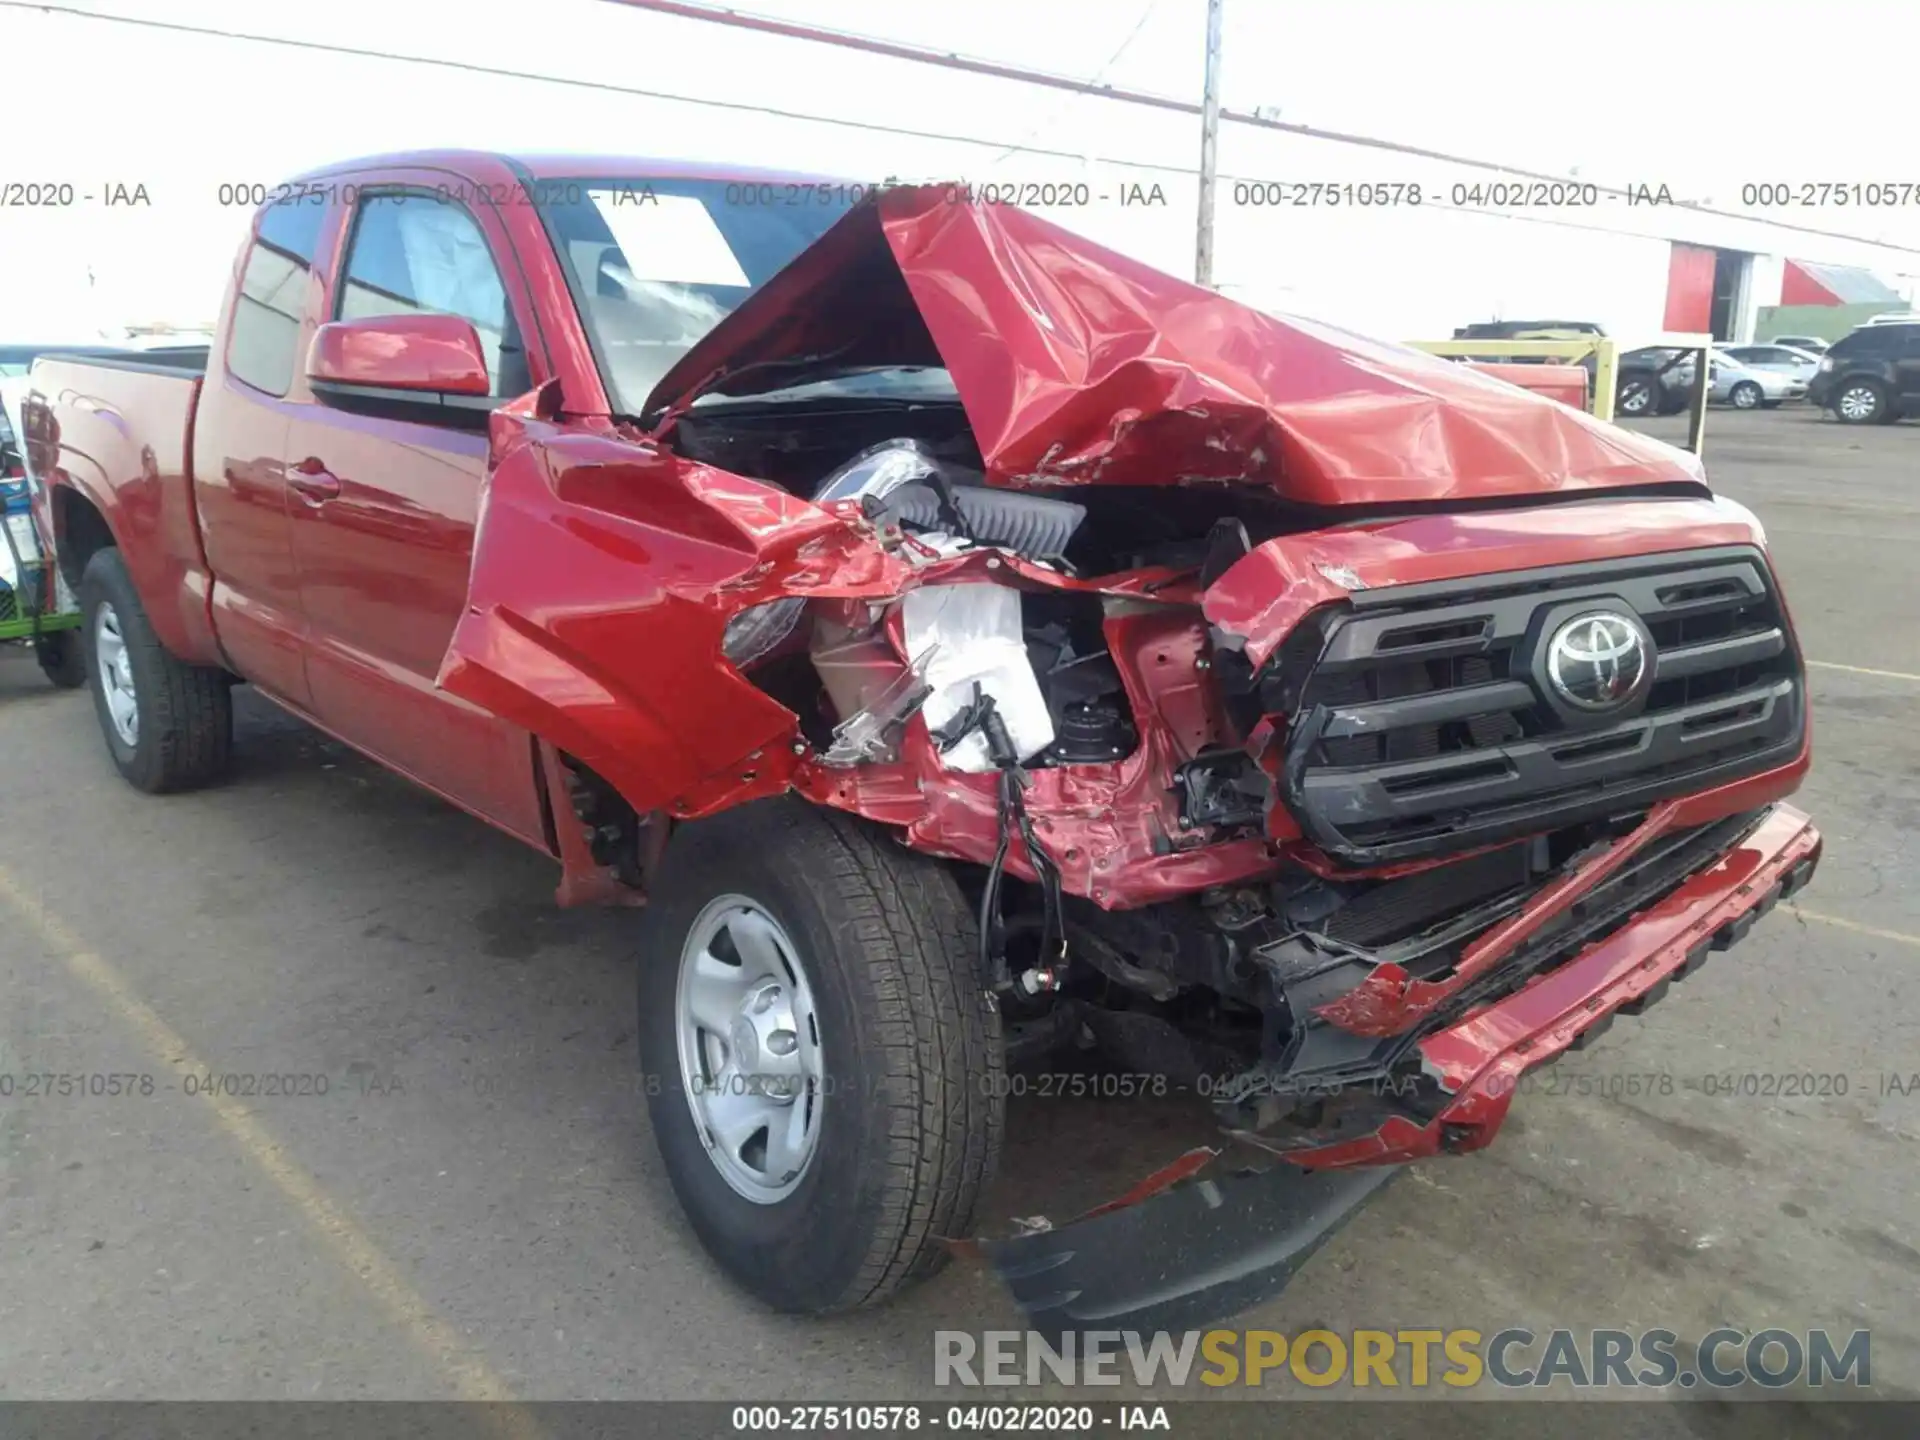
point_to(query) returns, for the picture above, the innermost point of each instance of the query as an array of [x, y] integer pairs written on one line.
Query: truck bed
[[110, 409], [121, 429]]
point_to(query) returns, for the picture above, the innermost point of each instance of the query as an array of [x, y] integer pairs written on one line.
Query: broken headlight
[[758, 630]]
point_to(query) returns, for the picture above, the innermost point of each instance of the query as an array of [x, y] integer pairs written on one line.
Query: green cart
[[36, 607]]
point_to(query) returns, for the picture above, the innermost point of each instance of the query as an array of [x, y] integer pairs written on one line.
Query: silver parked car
[[1802, 365], [1731, 383]]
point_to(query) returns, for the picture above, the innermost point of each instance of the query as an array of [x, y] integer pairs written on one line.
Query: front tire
[[822, 1062], [168, 724], [1746, 396]]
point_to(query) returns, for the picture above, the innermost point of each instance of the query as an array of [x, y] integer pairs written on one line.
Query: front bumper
[[1204, 1249], [1477, 1061]]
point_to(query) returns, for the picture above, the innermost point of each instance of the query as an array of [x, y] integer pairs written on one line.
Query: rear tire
[[63, 658], [1636, 397], [907, 1074], [181, 730], [1746, 396], [1861, 402]]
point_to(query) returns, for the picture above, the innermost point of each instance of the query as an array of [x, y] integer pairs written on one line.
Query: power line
[[1146, 13], [921, 55], [877, 127], [604, 86]]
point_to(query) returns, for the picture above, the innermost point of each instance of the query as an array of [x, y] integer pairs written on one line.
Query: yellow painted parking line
[[1862, 670], [1897, 936], [468, 1373]]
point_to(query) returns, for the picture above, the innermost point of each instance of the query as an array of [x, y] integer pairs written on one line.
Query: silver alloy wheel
[[1638, 398], [1746, 395], [116, 676], [750, 1059], [1858, 402]]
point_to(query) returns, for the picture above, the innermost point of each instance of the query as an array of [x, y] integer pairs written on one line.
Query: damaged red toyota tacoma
[[958, 635]]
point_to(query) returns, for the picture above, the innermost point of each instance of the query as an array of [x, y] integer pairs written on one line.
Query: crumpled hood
[[1079, 366]]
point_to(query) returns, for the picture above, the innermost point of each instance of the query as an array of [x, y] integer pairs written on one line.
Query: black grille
[[1427, 722]]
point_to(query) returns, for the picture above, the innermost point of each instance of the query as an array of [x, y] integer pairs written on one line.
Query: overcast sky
[[1703, 97]]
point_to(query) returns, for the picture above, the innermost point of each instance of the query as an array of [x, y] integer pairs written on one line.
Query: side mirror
[[415, 354]]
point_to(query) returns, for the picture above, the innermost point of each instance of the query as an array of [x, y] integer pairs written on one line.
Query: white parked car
[[1744, 388]]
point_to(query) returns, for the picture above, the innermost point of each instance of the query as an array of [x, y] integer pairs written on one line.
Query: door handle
[[314, 482]]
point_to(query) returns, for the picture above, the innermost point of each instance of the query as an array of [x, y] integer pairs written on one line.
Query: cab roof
[[491, 164]]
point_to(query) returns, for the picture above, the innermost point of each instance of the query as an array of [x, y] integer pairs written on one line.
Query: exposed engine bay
[[1076, 674]]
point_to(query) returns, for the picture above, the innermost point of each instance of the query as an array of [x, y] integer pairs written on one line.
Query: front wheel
[[822, 1062], [1746, 396]]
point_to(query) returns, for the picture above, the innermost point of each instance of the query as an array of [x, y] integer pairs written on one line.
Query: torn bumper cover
[[1212, 1245], [1530, 1005]]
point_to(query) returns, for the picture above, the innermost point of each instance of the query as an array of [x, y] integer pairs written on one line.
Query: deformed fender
[[604, 571]]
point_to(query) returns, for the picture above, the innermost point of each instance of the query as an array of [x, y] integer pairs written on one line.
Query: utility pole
[[1209, 146]]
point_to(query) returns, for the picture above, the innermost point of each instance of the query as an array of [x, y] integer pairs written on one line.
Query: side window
[[414, 253], [1869, 343], [265, 334]]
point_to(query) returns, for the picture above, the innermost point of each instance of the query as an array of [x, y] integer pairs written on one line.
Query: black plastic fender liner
[[1200, 1252]]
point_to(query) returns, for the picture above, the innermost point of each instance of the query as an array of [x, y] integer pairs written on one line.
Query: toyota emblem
[[1597, 661]]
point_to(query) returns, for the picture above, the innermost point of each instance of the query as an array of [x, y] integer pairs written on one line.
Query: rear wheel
[[1746, 396], [822, 1063], [1861, 402], [63, 658], [168, 724], [1636, 397]]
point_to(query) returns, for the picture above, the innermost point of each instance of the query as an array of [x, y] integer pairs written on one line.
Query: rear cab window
[[263, 338]]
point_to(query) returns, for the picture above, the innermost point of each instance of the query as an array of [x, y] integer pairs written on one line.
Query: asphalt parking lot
[[474, 1208]]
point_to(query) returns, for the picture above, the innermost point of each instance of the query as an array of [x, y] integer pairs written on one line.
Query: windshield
[[656, 264]]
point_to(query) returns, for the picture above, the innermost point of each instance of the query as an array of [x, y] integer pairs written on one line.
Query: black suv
[[1654, 380], [1649, 381], [1871, 376]]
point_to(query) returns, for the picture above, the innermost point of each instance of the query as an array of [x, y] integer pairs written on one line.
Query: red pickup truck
[[961, 636]]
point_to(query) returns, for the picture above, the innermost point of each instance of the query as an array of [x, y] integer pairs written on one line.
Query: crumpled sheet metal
[[1079, 366]]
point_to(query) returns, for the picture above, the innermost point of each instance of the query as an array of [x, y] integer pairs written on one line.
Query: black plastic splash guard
[[1203, 1251]]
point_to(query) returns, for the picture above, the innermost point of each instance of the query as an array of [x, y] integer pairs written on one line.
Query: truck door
[[383, 527], [1906, 368], [239, 449]]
